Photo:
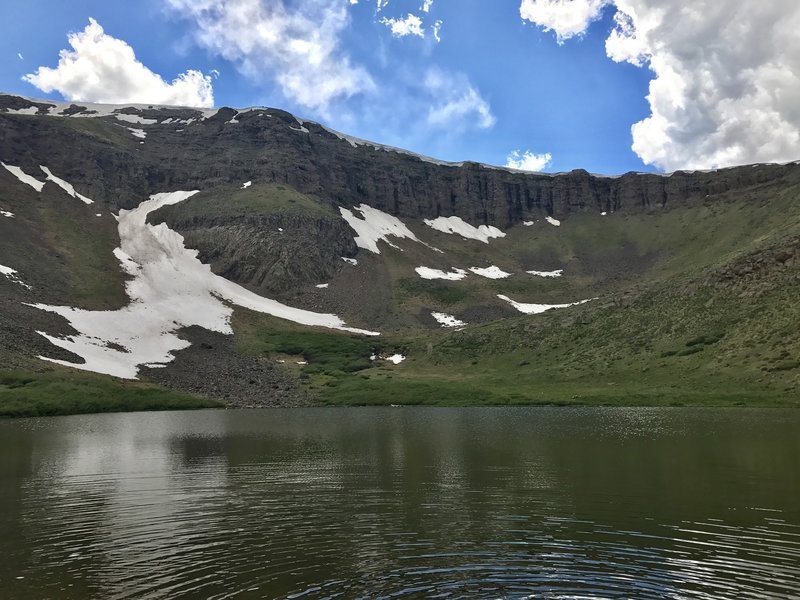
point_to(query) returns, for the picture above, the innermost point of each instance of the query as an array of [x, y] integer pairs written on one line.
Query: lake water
[[402, 502]]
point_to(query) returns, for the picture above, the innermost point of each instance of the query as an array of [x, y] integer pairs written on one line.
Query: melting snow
[[528, 223], [490, 272], [553, 221], [535, 309], [428, 273], [139, 133], [458, 226], [350, 261], [31, 110], [93, 110], [11, 275], [446, 320], [301, 129], [5, 213], [396, 358], [24, 177], [135, 119], [65, 186], [322, 286], [557, 273], [38, 185], [376, 225], [170, 289], [246, 184]]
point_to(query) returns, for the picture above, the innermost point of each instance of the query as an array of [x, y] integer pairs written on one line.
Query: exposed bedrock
[[273, 146], [269, 253]]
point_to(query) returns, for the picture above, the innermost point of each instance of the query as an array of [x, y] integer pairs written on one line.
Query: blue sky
[[531, 76]]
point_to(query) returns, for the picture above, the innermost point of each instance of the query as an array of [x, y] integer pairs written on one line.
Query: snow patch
[[138, 133], [375, 226], [535, 309], [170, 289], [350, 261], [24, 177], [31, 110], [12, 275], [552, 221], [246, 185], [490, 272], [301, 129], [5, 213], [446, 320], [458, 226], [135, 119], [67, 187], [528, 223], [396, 358], [428, 273], [557, 273], [322, 286], [603, 214]]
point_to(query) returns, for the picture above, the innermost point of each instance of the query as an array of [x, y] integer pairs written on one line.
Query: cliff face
[[185, 149]]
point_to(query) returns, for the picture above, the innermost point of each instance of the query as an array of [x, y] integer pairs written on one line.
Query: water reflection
[[402, 502]]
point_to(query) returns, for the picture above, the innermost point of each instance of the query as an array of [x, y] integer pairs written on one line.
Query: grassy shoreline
[[65, 392], [48, 396]]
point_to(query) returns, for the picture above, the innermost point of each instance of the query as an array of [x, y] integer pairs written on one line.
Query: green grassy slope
[[62, 391], [669, 325]]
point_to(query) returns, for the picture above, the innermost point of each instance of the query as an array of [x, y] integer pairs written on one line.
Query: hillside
[[178, 257]]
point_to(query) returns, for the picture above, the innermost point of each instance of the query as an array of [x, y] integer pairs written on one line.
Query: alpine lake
[[402, 503]]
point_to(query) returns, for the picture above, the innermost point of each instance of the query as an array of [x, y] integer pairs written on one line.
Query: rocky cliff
[[189, 148]]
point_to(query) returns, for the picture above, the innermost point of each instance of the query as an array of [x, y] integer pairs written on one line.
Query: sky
[[609, 86]]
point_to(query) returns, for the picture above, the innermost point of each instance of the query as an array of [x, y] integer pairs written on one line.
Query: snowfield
[[137, 133], [456, 225], [446, 320], [556, 273], [170, 289], [24, 177], [535, 309], [490, 272], [39, 185], [428, 273], [12, 275], [374, 226], [67, 187]]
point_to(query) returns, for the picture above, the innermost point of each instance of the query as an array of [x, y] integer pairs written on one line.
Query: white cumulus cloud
[[528, 161], [726, 86], [567, 18], [101, 68], [410, 25], [426, 5], [295, 44], [455, 103]]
